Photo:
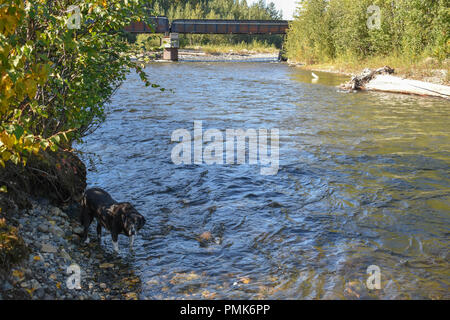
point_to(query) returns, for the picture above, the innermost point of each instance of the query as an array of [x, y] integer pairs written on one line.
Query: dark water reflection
[[364, 180]]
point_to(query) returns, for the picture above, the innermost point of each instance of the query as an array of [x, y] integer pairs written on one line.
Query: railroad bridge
[[204, 26]]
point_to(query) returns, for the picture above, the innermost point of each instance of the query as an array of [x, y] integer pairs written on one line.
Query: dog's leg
[[115, 241], [131, 242], [86, 224], [84, 219], [99, 233]]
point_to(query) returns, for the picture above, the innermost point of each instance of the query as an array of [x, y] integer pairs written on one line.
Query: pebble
[[48, 248], [65, 255], [78, 230], [7, 286], [57, 231], [35, 284], [39, 293], [43, 228], [54, 244]]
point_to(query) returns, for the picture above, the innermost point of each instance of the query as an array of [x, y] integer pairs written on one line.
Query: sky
[[288, 7]]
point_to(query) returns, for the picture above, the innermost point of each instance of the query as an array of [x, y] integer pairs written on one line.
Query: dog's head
[[132, 220]]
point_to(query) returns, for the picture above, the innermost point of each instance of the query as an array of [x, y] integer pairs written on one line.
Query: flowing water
[[363, 180]]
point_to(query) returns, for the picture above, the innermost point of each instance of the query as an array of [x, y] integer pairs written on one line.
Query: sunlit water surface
[[364, 180]]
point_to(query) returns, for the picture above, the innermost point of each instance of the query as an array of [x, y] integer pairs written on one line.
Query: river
[[363, 180]]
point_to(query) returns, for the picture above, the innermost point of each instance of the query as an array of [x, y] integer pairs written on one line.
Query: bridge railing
[[203, 26]]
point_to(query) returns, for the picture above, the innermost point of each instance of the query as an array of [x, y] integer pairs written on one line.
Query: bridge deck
[[230, 26], [203, 26]]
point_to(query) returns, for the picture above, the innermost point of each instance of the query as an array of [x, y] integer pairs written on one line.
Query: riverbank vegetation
[[238, 48], [55, 78], [222, 9], [413, 36]]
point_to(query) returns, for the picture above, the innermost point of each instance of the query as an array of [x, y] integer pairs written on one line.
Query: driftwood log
[[382, 80]]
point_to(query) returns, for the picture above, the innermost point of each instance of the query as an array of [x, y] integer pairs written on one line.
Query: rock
[[39, 293], [65, 255], [45, 237], [205, 236], [7, 286], [106, 265], [78, 230], [57, 231], [95, 296], [103, 285], [55, 211], [43, 228], [35, 284], [48, 248]]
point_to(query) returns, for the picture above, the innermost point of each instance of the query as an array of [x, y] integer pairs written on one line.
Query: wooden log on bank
[[383, 80]]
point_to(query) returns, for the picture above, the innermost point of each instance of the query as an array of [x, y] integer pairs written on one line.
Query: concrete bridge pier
[[170, 54], [171, 44]]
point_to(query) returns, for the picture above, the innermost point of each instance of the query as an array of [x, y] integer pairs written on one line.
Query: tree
[[54, 80]]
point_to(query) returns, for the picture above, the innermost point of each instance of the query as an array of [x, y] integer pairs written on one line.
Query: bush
[[326, 30], [12, 247], [148, 42], [55, 81]]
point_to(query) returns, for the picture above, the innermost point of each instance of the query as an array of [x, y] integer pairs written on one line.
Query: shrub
[[325, 30], [55, 81], [12, 247]]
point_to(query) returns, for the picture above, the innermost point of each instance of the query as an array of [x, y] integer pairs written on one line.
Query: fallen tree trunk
[[383, 80], [390, 83]]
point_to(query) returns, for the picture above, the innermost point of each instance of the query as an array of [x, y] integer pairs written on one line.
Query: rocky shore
[[199, 55], [51, 236]]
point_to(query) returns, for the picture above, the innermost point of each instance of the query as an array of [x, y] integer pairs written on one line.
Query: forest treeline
[[327, 30], [216, 9], [55, 80], [220, 9]]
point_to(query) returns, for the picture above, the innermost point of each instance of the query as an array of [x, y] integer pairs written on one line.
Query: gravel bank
[[51, 236], [196, 55], [190, 55]]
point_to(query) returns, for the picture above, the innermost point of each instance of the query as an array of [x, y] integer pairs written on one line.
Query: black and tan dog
[[118, 218]]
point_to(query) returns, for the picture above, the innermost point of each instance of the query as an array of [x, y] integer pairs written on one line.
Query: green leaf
[[18, 132]]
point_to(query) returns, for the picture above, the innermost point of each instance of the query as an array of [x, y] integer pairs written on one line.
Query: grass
[[239, 48], [426, 69]]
